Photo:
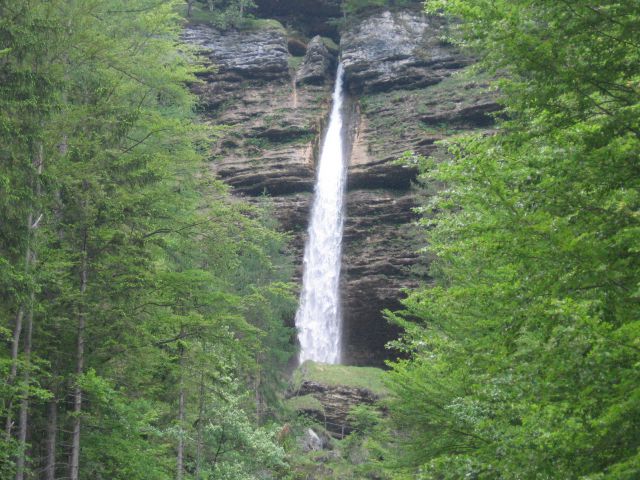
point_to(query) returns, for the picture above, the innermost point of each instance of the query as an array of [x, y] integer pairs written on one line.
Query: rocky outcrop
[[379, 252], [269, 126], [311, 441], [318, 65], [335, 402], [410, 95], [259, 54], [401, 49]]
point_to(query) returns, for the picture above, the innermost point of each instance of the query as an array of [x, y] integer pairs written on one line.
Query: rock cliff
[[272, 89], [410, 94], [271, 124], [334, 404], [327, 394]]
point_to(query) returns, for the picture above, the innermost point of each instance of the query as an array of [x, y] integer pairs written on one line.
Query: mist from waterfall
[[318, 319]]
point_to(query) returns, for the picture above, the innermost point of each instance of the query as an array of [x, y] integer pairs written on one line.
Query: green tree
[[224, 14], [138, 295], [523, 356], [30, 82]]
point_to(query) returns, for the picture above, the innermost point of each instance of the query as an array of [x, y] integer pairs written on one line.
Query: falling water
[[318, 318]]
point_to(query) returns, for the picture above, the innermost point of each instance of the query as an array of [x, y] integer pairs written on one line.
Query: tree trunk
[[15, 346], [199, 434], [49, 470], [23, 418], [258, 397], [189, 7], [29, 261], [77, 393], [17, 332], [180, 453], [49, 467]]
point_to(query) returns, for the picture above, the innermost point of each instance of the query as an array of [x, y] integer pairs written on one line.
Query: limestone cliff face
[[404, 96], [401, 49], [271, 124], [409, 96]]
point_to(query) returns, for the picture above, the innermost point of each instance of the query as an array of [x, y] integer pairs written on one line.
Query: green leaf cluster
[[522, 358], [222, 14]]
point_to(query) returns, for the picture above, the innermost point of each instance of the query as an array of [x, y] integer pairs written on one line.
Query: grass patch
[[305, 402], [330, 44], [200, 15], [341, 375], [295, 62], [255, 24]]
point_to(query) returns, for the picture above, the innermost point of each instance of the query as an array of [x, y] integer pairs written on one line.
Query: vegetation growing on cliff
[[221, 13], [356, 6], [523, 357]]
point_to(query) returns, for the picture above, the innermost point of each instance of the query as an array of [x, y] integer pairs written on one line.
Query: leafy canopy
[[524, 354]]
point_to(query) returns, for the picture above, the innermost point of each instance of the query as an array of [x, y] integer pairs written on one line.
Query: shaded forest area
[[144, 309]]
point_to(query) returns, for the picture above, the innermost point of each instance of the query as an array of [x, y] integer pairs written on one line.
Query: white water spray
[[318, 319]]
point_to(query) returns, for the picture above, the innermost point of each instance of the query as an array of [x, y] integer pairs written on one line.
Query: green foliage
[[363, 419], [240, 449], [226, 14], [357, 6], [253, 24], [122, 440], [354, 6], [294, 63], [304, 402], [359, 455], [331, 45], [523, 356], [187, 291]]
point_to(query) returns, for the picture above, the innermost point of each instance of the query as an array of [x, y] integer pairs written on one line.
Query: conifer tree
[[122, 279]]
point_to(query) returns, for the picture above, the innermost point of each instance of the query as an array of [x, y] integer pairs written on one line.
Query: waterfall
[[318, 319]]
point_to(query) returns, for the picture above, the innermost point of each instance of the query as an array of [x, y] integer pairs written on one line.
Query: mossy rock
[[202, 15], [369, 378], [304, 403], [256, 24], [332, 46]]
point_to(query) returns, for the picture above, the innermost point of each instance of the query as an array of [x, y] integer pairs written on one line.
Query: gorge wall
[[271, 89]]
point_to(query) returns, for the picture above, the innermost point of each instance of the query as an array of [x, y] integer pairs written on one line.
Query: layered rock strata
[[269, 124], [400, 49], [318, 64], [410, 94], [406, 94], [334, 404]]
